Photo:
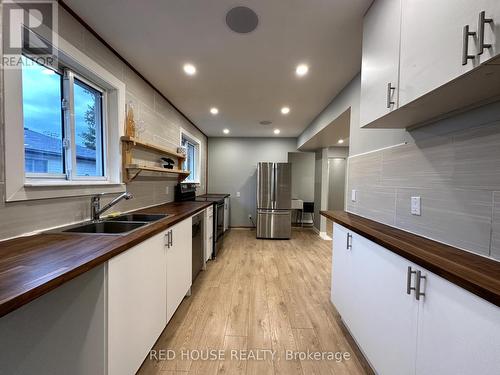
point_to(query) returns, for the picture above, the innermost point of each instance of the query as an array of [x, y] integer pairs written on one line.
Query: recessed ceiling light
[[285, 110], [301, 70], [277, 131], [214, 111], [189, 69], [341, 141], [226, 131]]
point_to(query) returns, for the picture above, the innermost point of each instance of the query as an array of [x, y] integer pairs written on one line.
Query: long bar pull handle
[[167, 240], [418, 285], [409, 288], [482, 23], [465, 45], [349, 241], [390, 89], [171, 238]]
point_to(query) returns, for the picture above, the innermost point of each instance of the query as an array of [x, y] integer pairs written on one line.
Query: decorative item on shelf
[[140, 128], [130, 121], [167, 163], [182, 150]]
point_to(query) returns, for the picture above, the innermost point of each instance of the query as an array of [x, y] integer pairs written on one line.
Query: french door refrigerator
[[274, 218]]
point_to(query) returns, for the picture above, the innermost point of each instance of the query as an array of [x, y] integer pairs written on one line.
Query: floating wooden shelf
[[133, 170], [134, 142]]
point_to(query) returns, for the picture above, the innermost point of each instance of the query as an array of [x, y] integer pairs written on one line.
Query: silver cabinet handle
[[390, 89], [171, 239], [349, 241], [409, 288], [418, 285], [465, 45], [482, 23], [167, 240]]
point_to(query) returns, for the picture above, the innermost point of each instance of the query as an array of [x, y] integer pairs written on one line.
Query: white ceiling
[[248, 77]]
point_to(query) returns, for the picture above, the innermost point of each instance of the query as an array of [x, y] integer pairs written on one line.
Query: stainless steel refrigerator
[[274, 200]]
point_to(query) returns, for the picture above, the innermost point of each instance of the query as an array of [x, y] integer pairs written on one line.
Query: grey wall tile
[[140, 89], [495, 235], [365, 170], [103, 56], [461, 218], [70, 29], [374, 202], [428, 164], [477, 158]]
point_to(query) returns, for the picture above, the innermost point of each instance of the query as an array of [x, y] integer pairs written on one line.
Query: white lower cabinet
[[458, 332], [179, 265], [447, 331], [146, 284], [137, 292]]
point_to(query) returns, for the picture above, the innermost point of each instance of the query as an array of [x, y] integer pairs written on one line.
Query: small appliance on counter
[[187, 192]]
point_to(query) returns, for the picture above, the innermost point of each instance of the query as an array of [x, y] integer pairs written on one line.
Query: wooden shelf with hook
[[131, 170]]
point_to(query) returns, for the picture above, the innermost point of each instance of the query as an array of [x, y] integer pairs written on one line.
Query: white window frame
[[20, 187], [184, 133]]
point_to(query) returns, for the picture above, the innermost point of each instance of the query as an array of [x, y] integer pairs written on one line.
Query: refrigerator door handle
[[273, 187]]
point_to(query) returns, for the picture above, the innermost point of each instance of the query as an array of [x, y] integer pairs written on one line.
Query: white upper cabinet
[[433, 44], [380, 62], [488, 29]]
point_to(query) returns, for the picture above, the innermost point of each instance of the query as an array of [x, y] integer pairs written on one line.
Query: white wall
[[302, 175], [232, 166]]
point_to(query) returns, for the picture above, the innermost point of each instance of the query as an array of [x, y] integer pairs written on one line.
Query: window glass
[[88, 130], [43, 125], [190, 163]]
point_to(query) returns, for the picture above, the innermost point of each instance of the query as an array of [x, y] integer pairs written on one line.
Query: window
[[63, 124], [192, 163]]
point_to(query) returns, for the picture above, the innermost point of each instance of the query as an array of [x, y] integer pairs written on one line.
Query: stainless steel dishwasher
[[197, 233]]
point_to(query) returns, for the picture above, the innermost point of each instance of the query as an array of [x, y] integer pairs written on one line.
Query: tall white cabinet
[[380, 63], [446, 331]]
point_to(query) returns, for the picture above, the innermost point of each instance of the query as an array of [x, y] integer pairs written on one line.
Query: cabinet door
[[136, 304], [179, 271], [491, 10], [386, 316], [432, 44], [226, 214], [342, 276], [380, 61], [458, 332]]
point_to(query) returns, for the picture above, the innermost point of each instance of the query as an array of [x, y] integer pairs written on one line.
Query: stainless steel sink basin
[[148, 218], [105, 227]]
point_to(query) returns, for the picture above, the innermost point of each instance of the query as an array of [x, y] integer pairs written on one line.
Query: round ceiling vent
[[265, 122], [242, 20]]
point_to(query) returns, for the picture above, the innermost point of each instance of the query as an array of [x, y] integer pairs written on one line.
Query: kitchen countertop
[[34, 265], [477, 274], [211, 195]]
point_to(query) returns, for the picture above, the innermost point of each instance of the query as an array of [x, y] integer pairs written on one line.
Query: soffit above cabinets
[[248, 77]]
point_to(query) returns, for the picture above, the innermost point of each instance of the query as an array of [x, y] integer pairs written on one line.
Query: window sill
[[55, 183]]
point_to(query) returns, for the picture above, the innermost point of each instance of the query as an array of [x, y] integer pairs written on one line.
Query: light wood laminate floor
[[258, 295]]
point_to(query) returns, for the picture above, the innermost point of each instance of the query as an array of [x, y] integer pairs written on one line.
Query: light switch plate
[[416, 206], [166, 190], [238, 194], [353, 195]]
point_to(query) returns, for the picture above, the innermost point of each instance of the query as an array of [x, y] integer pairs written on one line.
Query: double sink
[[119, 225]]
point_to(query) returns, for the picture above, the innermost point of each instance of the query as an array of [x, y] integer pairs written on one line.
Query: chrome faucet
[[95, 204]]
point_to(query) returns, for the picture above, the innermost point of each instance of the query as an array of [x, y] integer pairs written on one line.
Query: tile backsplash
[[454, 166]]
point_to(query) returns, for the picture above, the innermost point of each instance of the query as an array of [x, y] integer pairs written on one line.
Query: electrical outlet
[[166, 190], [250, 217], [353, 195], [238, 194], [416, 206]]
